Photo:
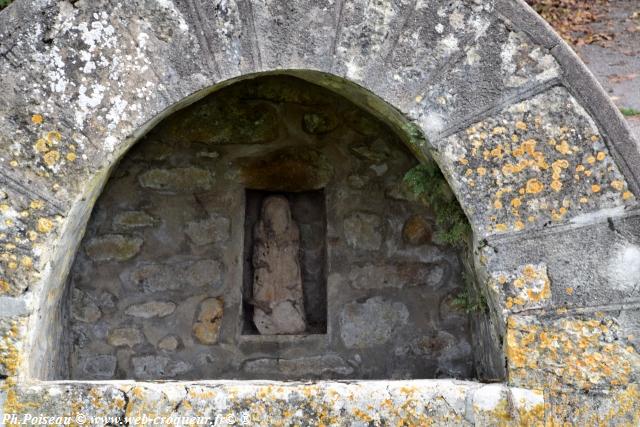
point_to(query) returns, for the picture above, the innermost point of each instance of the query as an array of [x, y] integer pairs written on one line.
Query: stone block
[[206, 328], [177, 180], [537, 163], [587, 351], [129, 337], [113, 247], [151, 309], [363, 231], [371, 323]]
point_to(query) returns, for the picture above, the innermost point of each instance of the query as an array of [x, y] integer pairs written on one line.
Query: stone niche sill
[[298, 339]]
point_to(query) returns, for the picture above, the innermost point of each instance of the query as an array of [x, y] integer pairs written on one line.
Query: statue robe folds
[[277, 279]]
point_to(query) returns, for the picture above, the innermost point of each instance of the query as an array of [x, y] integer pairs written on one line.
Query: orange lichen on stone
[[525, 288], [563, 147], [579, 352], [37, 119], [617, 185]]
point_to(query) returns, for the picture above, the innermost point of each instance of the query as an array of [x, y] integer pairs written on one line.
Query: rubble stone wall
[[166, 240], [539, 158]]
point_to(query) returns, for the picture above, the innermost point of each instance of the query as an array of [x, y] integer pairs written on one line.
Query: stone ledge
[[416, 402]]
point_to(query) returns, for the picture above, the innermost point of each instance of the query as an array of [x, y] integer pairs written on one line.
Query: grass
[[4, 3], [629, 112]]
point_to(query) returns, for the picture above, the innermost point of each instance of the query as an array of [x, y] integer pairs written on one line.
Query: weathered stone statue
[[277, 281]]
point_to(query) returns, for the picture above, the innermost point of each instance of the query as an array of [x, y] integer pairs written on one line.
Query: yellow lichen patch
[[44, 225], [26, 262], [41, 146], [556, 185], [71, 156], [601, 156], [54, 136], [534, 186], [627, 195], [617, 185], [481, 171], [37, 119], [36, 204], [595, 188], [51, 158], [521, 125], [501, 227]]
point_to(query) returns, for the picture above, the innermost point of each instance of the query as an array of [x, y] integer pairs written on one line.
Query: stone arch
[[82, 84]]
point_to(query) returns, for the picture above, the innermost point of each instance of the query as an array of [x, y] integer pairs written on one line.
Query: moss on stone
[[427, 182]]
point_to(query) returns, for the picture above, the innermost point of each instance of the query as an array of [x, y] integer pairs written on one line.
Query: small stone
[[371, 323], [89, 313], [362, 123], [151, 309], [101, 367], [158, 367], [82, 308], [178, 180], [215, 229], [396, 275], [356, 181], [363, 231], [125, 337], [208, 154], [376, 152], [319, 123], [153, 277], [168, 343], [207, 326], [133, 219], [416, 231], [379, 169], [113, 247]]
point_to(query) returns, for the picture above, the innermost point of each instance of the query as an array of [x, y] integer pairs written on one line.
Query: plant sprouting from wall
[[5, 3], [429, 185], [470, 299]]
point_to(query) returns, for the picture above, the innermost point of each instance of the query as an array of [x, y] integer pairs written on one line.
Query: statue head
[[276, 213]]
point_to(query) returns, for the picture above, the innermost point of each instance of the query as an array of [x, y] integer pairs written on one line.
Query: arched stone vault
[[537, 155]]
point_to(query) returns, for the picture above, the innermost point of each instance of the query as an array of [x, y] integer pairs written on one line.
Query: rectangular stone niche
[[308, 211]]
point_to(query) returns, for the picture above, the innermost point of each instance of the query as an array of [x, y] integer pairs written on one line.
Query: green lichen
[[629, 112], [427, 183]]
